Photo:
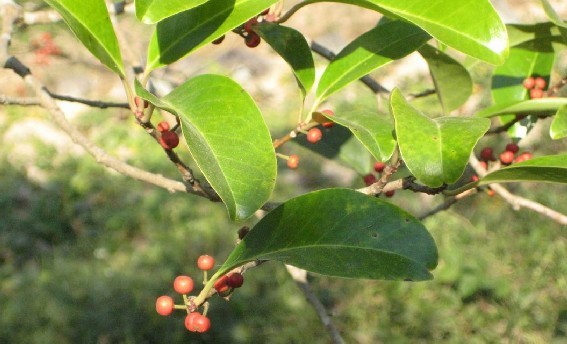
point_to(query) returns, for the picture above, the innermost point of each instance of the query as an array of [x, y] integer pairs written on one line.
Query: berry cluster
[[536, 86], [251, 38], [508, 156], [44, 47], [370, 178], [195, 321]]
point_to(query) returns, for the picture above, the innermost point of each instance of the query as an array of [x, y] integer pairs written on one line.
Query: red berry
[[369, 179], [162, 126], [164, 305], [190, 321], [529, 83], [140, 103], [221, 285], [235, 280], [169, 139], [523, 157], [506, 157], [379, 166], [536, 93], [490, 192], [252, 40], [390, 193], [205, 262], [540, 83], [487, 154], [314, 135], [483, 164], [219, 40], [329, 113], [201, 324], [512, 147], [293, 161], [183, 284], [249, 24], [474, 178]]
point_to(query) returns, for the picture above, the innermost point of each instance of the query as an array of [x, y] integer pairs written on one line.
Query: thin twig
[[367, 80], [22, 101], [299, 276], [93, 103], [516, 201]]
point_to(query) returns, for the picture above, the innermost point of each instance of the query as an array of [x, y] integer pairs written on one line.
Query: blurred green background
[[84, 251]]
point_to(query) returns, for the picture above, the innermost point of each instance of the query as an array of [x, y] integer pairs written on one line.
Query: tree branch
[[516, 201], [299, 276]]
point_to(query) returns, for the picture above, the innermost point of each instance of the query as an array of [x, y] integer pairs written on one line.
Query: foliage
[[334, 232]]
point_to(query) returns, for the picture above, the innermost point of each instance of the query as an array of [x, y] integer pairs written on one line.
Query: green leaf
[[452, 81], [179, 35], [152, 11], [340, 144], [558, 129], [343, 233], [532, 106], [386, 42], [436, 151], [90, 22], [372, 130], [507, 79], [549, 169], [472, 27], [228, 139], [294, 49], [555, 19]]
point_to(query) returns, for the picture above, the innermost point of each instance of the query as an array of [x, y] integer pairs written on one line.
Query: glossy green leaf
[[388, 41], [179, 35], [558, 129], [90, 22], [338, 143], [472, 27], [228, 139], [532, 106], [372, 130], [343, 233], [436, 151], [452, 81], [548, 169], [294, 49], [152, 11], [507, 79]]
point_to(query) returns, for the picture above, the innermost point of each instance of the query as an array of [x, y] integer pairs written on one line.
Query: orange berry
[[379, 166], [183, 284], [314, 135], [164, 305], [540, 83], [536, 93], [529, 83], [205, 262], [293, 161], [190, 321], [506, 157]]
